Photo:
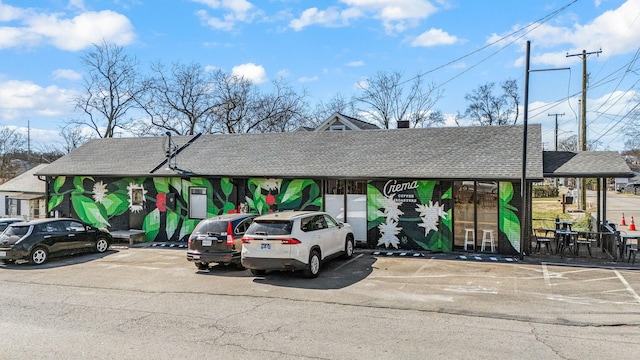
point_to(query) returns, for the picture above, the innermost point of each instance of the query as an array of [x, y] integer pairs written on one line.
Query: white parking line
[[629, 288], [348, 262]]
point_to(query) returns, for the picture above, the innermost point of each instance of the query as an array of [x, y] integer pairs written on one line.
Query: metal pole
[[523, 181]]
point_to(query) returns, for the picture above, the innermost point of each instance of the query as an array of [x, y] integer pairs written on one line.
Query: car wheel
[[38, 256], [102, 244], [258, 272], [313, 267], [202, 266], [348, 248]]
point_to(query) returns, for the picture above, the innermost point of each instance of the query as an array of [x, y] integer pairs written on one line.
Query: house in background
[[340, 122], [24, 196]]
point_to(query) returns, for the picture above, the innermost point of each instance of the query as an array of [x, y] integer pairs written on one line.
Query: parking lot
[[152, 298]]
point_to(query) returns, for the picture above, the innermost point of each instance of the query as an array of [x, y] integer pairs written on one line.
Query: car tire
[[102, 244], [348, 248], [313, 267], [258, 272], [202, 266], [38, 256]]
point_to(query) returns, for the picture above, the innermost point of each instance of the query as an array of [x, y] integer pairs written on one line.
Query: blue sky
[[327, 47]]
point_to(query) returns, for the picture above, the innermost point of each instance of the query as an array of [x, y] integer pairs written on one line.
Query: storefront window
[[476, 215]]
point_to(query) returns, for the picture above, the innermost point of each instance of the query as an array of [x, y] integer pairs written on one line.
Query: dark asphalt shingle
[[482, 152]]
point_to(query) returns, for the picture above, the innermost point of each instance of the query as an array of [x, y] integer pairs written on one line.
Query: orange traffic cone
[[623, 223], [632, 226]]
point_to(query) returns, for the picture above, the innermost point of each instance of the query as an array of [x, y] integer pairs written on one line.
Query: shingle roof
[[585, 164], [482, 152], [26, 182]]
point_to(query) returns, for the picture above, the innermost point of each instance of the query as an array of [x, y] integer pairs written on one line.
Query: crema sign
[[393, 187]]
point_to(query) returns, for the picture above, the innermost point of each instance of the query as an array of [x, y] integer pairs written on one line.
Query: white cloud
[[396, 16], [24, 99], [356, 63], [250, 71], [615, 32], [434, 37], [9, 13], [234, 11], [72, 34], [306, 79], [66, 74], [332, 17]]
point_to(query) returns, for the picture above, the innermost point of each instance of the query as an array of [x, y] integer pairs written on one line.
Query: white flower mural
[[271, 184], [388, 232], [430, 215], [392, 208], [99, 191]]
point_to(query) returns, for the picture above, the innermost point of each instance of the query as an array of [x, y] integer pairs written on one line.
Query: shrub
[[545, 191]]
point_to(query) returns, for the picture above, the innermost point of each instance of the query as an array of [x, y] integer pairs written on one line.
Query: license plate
[[206, 242], [265, 246], [3, 253]]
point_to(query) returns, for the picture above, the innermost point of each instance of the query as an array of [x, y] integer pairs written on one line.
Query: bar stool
[[467, 240], [487, 237]]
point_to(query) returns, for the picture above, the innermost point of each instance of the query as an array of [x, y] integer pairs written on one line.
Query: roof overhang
[[585, 164]]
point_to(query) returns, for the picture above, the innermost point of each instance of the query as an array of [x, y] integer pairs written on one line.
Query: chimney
[[403, 124]]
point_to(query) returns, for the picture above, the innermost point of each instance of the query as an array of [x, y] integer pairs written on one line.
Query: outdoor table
[[565, 239], [564, 224]]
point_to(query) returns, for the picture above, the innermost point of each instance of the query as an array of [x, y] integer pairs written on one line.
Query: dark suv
[[37, 240], [218, 240]]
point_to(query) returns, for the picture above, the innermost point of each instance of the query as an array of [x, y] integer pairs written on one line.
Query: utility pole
[[555, 180], [556, 128], [583, 135]]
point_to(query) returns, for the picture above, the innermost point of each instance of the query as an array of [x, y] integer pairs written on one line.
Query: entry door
[[354, 194]]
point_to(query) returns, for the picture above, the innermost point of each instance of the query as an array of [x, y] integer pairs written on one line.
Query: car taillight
[[230, 241], [246, 240], [290, 241]]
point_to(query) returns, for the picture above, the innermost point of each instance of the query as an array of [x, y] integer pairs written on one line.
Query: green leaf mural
[[89, 211], [509, 222], [116, 203], [58, 183], [151, 225], [54, 201]]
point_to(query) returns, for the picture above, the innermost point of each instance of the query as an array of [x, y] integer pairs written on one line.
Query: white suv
[[295, 240]]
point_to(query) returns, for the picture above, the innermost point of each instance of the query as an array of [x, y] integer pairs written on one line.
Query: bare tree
[[235, 97], [281, 110], [180, 100], [11, 143], [337, 104], [485, 108], [112, 87], [570, 143], [73, 137], [386, 100]]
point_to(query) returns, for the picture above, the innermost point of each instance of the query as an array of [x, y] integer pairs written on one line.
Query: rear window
[[270, 227], [16, 230], [211, 227]]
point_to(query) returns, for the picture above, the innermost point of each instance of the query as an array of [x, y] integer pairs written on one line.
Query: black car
[[218, 240], [37, 240]]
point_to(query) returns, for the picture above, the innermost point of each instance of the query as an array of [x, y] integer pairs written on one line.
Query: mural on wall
[[409, 214], [509, 222], [162, 204], [270, 195]]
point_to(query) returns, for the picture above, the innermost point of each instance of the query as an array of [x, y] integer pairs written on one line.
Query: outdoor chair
[[542, 240]]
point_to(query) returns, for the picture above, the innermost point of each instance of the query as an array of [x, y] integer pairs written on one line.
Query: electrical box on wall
[[171, 201]]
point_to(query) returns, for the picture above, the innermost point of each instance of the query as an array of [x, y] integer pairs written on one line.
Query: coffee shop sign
[[393, 187]]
